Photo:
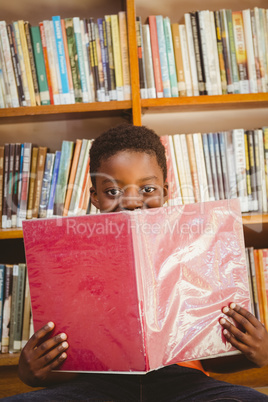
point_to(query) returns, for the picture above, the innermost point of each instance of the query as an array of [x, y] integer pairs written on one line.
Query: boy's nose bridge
[[132, 198]]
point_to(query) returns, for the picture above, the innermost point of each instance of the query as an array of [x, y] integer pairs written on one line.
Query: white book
[[187, 169], [240, 47], [215, 51], [204, 46], [88, 73], [148, 61], [250, 52], [178, 199], [190, 42], [56, 60], [240, 167], [230, 159], [231, 87], [261, 52], [264, 35], [9, 66], [201, 167], [210, 54], [123, 35], [185, 60], [208, 167], [4, 80], [51, 63], [180, 168], [262, 171]]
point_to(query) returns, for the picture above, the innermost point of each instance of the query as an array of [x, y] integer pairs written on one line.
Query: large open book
[[135, 291]]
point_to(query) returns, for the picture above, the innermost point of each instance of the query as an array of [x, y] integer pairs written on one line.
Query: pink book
[[136, 291]]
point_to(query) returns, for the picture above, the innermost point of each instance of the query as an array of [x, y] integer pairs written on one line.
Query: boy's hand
[[252, 340], [40, 356]]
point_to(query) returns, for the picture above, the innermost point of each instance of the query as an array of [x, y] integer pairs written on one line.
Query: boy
[[128, 171]]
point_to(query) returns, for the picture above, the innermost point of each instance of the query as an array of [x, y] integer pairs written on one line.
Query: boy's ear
[[165, 191], [94, 197]]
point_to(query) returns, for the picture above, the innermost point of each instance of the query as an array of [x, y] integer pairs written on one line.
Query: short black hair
[[126, 137]]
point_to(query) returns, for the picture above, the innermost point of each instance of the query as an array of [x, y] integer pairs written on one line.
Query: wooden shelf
[[9, 359], [205, 102], [16, 233]]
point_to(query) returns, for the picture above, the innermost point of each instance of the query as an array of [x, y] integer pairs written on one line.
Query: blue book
[[46, 183], [20, 178], [2, 281], [81, 62], [208, 167], [53, 184], [218, 164], [163, 56], [213, 166], [104, 54], [171, 58], [66, 97], [224, 165]]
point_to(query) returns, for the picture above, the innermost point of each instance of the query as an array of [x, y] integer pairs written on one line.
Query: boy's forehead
[[131, 157]]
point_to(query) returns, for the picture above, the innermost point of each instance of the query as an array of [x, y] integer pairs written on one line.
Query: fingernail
[[65, 345], [225, 332], [222, 321], [63, 355], [63, 336], [232, 305], [50, 325], [225, 309]]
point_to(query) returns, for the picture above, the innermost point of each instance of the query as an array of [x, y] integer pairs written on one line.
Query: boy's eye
[[115, 192], [147, 189]]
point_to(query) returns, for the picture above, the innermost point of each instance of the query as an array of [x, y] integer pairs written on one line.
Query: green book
[[18, 317], [40, 65], [234, 66], [72, 50], [62, 182]]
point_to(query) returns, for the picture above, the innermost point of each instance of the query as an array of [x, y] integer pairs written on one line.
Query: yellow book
[[27, 62], [124, 54], [117, 57], [263, 289]]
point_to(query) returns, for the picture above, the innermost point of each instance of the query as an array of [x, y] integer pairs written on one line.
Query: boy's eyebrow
[[143, 179]]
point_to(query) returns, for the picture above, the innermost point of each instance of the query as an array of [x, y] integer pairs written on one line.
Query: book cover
[[151, 296]]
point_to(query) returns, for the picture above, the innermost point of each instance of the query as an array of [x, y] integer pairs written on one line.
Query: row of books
[[64, 61], [37, 183], [15, 305], [15, 308], [211, 53], [215, 166]]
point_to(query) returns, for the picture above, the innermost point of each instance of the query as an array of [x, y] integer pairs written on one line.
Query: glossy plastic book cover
[[136, 291]]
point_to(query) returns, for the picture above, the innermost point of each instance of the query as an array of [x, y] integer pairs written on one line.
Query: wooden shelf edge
[[61, 109], [16, 233], [213, 101], [9, 359]]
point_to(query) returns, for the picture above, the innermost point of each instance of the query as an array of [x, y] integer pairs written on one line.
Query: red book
[[135, 291], [156, 57]]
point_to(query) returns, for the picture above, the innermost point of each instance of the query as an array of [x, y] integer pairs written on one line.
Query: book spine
[[32, 63], [203, 39], [100, 64], [40, 65], [214, 172], [226, 52], [113, 95], [45, 53], [9, 67], [64, 168], [254, 283], [10, 183], [2, 152], [178, 59], [106, 58], [193, 167], [20, 181], [67, 60], [46, 183], [51, 63], [15, 185], [163, 56], [42, 152], [26, 313], [66, 97], [191, 49], [256, 51], [241, 55], [71, 181], [232, 50], [170, 57], [25, 182], [4, 79], [261, 48], [185, 60], [2, 286], [187, 169], [174, 192], [5, 186], [78, 40], [123, 35], [252, 169], [19, 308], [94, 58], [264, 27], [240, 167], [117, 57], [26, 60], [7, 308], [55, 59], [258, 168], [208, 167], [15, 62], [249, 189], [265, 135], [53, 184], [215, 53], [72, 50], [200, 163], [149, 69], [198, 55], [262, 287], [14, 297], [85, 51], [250, 52], [220, 52], [141, 59], [209, 33], [262, 171], [156, 57], [32, 178]]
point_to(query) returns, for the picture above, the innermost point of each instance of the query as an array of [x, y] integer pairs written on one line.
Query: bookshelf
[[166, 116]]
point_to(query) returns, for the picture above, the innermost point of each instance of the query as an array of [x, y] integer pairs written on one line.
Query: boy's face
[[129, 180]]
